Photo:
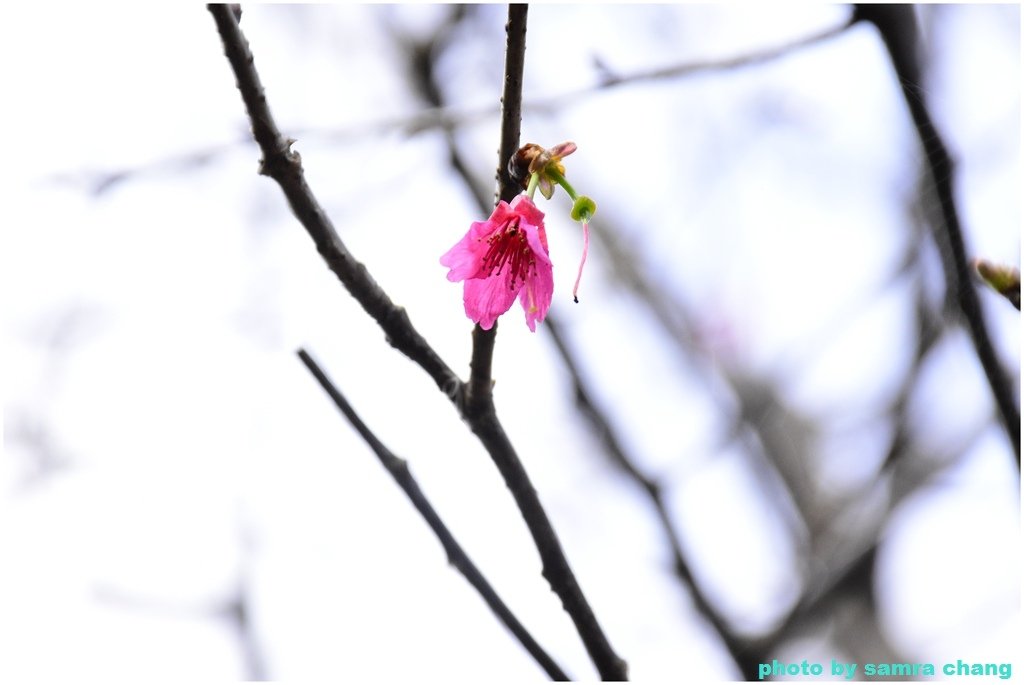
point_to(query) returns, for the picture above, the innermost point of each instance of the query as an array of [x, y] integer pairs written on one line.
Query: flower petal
[[463, 261], [486, 299], [523, 206], [562, 150], [523, 270], [535, 297], [537, 238], [465, 258]]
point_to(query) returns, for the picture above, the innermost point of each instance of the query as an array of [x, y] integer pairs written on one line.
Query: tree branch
[[457, 557], [898, 28], [556, 569]]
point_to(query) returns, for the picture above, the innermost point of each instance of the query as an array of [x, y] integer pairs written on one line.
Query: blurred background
[[764, 331]]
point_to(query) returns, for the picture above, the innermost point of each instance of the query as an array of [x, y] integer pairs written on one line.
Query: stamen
[[508, 246]]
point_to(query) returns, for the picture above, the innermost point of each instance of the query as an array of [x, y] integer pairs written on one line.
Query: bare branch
[[457, 557]]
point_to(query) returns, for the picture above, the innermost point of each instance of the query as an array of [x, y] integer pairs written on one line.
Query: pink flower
[[505, 256]]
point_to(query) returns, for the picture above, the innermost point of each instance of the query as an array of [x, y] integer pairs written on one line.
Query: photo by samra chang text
[[848, 671]]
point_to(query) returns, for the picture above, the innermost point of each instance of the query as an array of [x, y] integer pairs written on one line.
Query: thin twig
[[457, 557], [898, 28]]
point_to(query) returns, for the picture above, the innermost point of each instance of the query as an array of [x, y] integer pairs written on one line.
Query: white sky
[[151, 332]]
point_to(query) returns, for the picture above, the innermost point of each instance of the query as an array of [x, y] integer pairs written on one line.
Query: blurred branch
[[898, 29], [32, 431], [285, 166], [755, 397], [709, 66], [457, 557], [606, 435], [682, 329], [853, 574], [849, 570], [235, 610], [444, 117], [99, 181]]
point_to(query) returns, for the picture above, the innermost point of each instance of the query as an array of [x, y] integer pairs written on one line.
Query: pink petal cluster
[[503, 257]]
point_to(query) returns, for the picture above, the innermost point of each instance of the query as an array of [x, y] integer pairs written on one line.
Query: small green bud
[[1004, 279]]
